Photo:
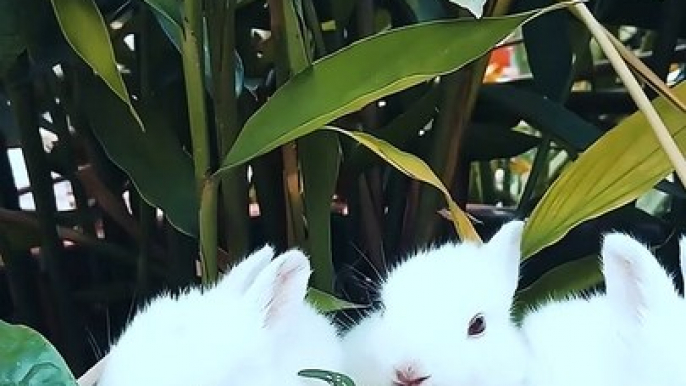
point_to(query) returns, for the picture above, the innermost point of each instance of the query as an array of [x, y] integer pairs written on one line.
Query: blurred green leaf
[[334, 379], [485, 142], [559, 282], [414, 167], [158, 166], [85, 30], [623, 164], [543, 114], [325, 303], [170, 9], [550, 60], [425, 10], [322, 94], [12, 43], [28, 359]]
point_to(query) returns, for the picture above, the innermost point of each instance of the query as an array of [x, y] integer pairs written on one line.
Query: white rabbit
[[252, 329], [624, 337], [444, 320], [643, 294]]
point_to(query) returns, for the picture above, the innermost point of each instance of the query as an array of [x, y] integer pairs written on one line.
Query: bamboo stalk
[[195, 90], [634, 88]]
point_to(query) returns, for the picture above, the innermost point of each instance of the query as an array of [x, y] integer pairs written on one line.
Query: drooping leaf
[[333, 378], [28, 359], [623, 164], [327, 303], [321, 94], [414, 167], [85, 30], [158, 166]]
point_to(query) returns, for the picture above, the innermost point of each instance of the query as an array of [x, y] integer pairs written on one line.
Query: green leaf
[[86, 32], [12, 43], [549, 51], [319, 156], [333, 378], [414, 167], [28, 359], [485, 141], [156, 162], [325, 303], [322, 94], [623, 164], [567, 278], [170, 9]]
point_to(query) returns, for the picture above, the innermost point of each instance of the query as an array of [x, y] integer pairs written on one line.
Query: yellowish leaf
[[414, 167]]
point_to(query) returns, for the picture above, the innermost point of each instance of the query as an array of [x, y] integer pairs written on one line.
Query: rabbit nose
[[409, 377]]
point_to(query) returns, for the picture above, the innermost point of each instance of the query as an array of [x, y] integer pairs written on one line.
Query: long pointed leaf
[[414, 167], [85, 30], [374, 67], [619, 167]]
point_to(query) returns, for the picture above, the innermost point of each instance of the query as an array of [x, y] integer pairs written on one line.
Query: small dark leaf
[[484, 142], [334, 379]]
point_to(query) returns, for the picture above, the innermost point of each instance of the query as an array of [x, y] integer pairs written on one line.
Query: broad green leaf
[[333, 378], [571, 277], [155, 160], [28, 359], [85, 30], [623, 164], [414, 167], [327, 303], [322, 94]]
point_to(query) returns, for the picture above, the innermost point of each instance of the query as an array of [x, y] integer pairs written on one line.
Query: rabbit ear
[[634, 279], [242, 275], [281, 287], [505, 246]]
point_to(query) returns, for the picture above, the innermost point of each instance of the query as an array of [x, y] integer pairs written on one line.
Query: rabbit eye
[[477, 326]]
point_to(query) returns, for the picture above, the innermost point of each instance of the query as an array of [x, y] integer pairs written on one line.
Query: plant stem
[[208, 231], [195, 90], [634, 88], [234, 189]]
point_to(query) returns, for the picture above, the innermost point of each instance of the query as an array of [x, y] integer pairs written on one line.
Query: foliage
[[190, 133], [28, 359]]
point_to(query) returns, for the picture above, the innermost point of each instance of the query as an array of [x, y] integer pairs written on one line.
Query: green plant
[[174, 103]]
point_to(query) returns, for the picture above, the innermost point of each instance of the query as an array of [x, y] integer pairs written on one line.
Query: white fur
[[252, 329], [630, 336], [428, 301]]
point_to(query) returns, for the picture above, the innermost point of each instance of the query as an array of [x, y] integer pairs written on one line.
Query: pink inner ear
[[280, 297]]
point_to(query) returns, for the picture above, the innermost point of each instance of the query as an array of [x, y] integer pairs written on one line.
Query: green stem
[[234, 186], [193, 69], [208, 231]]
